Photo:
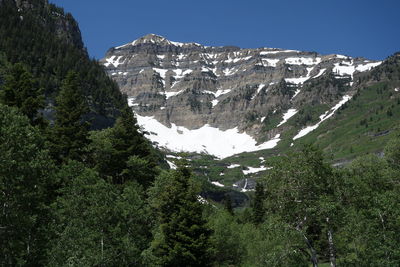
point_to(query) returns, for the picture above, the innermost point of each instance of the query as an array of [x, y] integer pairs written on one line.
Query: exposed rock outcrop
[[226, 87]]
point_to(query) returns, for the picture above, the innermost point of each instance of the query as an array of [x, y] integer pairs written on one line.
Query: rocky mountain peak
[[152, 39], [187, 87]]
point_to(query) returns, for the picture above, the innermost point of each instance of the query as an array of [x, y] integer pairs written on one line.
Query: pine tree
[[258, 207], [21, 90], [228, 204], [69, 136], [182, 238], [123, 153]]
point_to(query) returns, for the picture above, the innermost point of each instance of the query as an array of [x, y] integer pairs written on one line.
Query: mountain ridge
[[251, 91]]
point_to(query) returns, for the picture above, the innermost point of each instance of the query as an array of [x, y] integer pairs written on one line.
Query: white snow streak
[[218, 184], [321, 71], [214, 102], [172, 165], [290, 113], [254, 170], [302, 60], [232, 166], [322, 118], [218, 92], [180, 73], [113, 61], [276, 52], [131, 101], [270, 62], [171, 94]]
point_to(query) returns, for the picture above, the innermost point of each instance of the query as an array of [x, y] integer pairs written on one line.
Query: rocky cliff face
[[64, 25], [191, 85]]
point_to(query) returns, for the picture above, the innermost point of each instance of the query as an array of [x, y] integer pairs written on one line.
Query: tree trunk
[[102, 246], [332, 256], [314, 259]]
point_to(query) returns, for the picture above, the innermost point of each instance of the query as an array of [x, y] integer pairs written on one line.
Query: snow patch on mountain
[[114, 60], [290, 113], [232, 166], [171, 94], [276, 52], [206, 139], [218, 184], [172, 165], [348, 68], [321, 71], [219, 92], [303, 60], [270, 62], [252, 170]]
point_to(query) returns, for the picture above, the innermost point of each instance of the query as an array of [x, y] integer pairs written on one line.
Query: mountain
[[227, 100], [48, 42]]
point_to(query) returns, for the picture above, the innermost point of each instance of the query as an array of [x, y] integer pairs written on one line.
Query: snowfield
[[206, 139]]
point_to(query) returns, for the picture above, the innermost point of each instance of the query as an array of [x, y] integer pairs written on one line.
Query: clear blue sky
[[368, 28]]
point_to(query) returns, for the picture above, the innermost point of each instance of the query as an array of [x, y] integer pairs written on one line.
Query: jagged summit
[[156, 40], [151, 38]]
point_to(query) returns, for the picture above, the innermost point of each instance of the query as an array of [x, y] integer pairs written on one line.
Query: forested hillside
[[49, 44], [80, 185]]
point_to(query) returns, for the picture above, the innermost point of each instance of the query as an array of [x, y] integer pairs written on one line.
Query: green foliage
[[301, 190], [258, 207], [368, 121], [97, 223], [370, 195], [273, 243], [392, 153], [69, 135], [25, 173], [21, 90], [123, 153], [182, 238], [48, 42], [228, 204], [94, 212], [228, 248]]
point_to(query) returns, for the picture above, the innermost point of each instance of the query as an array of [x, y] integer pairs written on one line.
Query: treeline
[[75, 197]]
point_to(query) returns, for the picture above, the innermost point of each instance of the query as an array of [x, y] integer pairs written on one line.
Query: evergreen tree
[[21, 90], [25, 179], [123, 153], [69, 136], [258, 206], [182, 238], [228, 204]]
